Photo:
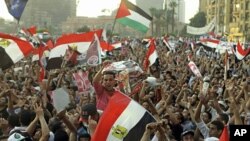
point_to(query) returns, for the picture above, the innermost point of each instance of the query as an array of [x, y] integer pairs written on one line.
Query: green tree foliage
[[199, 20], [173, 6], [83, 29]]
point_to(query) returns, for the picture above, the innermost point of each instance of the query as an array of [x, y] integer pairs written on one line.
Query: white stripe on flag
[[152, 58], [60, 50], [14, 52], [137, 17], [129, 118], [35, 57]]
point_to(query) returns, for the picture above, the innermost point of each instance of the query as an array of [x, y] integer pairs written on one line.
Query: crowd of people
[[182, 110]]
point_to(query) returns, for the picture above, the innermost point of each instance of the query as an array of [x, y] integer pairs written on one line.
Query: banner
[[130, 65], [82, 81], [194, 69], [202, 30], [60, 98]]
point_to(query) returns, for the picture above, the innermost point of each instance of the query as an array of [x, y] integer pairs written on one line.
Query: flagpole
[[113, 27]]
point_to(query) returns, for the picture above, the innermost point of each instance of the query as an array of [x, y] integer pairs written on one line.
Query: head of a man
[[215, 128], [108, 80], [187, 135]]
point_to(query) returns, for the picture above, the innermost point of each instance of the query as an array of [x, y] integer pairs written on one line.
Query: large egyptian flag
[[16, 7], [240, 52], [209, 44], [80, 42], [122, 120], [130, 15], [12, 50]]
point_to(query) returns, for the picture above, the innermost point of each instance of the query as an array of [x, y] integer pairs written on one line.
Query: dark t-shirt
[[3, 113], [176, 131]]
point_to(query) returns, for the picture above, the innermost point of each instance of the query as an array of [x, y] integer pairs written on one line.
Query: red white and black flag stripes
[[127, 123], [80, 42], [12, 50]]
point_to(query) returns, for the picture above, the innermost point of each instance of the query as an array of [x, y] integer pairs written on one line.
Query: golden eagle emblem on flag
[[4, 43], [119, 132]]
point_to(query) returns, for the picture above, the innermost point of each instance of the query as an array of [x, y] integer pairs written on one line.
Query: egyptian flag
[[165, 41], [32, 30], [123, 119], [106, 46], [240, 53], [16, 7], [36, 52], [151, 57], [130, 15], [12, 50], [81, 42], [42, 62], [209, 44]]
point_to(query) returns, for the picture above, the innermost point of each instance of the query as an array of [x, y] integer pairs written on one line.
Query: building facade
[[147, 4], [232, 17], [45, 13], [181, 11]]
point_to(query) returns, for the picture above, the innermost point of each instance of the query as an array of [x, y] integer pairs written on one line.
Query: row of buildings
[[59, 16], [232, 17]]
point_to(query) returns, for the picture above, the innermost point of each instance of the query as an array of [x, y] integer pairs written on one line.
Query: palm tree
[[173, 5], [152, 12], [158, 20]]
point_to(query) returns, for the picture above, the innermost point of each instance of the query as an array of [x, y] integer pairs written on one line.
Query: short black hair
[[208, 114], [109, 73], [224, 117], [219, 125], [25, 117], [13, 120], [61, 135]]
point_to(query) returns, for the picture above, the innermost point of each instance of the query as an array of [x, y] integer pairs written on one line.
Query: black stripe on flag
[[5, 60], [138, 10], [136, 133], [54, 63]]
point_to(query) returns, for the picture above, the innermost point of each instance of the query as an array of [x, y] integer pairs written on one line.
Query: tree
[[83, 29], [158, 20], [173, 5], [199, 20], [152, 12]]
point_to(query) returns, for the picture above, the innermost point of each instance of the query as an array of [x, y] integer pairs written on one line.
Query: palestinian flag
[[127, 123], [130, 15], [12, 50], [80, 42]]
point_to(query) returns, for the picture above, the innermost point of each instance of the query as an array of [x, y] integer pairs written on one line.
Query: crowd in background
[[182, 111]]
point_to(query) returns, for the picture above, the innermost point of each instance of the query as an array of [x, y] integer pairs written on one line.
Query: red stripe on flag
[[32, 30], [24, 46], [117, 104], [71, 38], [151, 50], [122, 11], [241, 50], [211, 40], [106, 46], [224, 135]]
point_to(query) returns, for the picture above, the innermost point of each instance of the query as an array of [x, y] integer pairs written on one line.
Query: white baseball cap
[[16, 137]]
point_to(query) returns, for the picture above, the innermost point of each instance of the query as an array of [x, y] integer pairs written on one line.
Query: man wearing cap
[[187, 135], [104, 86]]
